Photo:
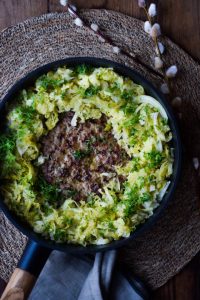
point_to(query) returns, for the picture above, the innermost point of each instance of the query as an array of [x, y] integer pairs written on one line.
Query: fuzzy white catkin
[[147, 27], [78, 22], [63, 2], [155, 31], [161, 48], [176, 102], [172, 71], [196, 163], [141, 3], [101, 39], [152, 10], [164, 88], [73, 7], [158, 63], [116, 50], [94, 27]]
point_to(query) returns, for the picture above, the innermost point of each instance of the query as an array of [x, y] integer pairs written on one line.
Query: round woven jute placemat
[[162, 251]]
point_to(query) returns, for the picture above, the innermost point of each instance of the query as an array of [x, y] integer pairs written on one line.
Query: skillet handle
[[24, 276]]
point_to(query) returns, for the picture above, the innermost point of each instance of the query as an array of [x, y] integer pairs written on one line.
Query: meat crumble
[[81, 159]]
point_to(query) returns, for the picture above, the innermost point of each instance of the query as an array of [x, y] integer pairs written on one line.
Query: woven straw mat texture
[[162, 251]]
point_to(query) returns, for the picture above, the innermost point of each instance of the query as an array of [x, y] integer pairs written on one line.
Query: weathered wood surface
[[180, 21]]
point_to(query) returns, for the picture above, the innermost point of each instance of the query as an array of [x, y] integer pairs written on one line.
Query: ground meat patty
[[81, 159]]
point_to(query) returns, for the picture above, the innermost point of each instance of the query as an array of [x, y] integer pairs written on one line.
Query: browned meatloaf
[[81, 159]]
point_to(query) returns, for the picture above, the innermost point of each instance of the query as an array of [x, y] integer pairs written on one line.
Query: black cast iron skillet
[[38, 249]]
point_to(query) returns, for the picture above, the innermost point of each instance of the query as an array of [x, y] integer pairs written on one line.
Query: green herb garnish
[[127, 95], [111, 226], [50, 192], [154, 158], [135, 164], [48, 83], [83, 69], [128, 108], [91, 91], [70, 193], [133, 199], [7, 149], [115, 87], [59, 234], [80, 154], [26, 115], [131, 121]]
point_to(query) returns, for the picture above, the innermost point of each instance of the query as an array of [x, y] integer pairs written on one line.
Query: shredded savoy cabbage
[[140, 126]]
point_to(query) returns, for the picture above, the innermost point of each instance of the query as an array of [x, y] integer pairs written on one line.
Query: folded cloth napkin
[[69, 277]]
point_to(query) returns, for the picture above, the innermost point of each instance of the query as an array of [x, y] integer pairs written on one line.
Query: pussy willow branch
[[108, 40], [155, 40], [162, 68]]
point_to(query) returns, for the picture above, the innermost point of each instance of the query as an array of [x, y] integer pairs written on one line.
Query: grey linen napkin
[[69, 277]]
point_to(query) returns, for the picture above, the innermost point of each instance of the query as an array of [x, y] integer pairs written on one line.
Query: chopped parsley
[[111, 226], [84, 69], [135, 164], [91, 91], [133, 199], [128, 108], [131, 122], [59, 234], [115, 87], [26, 115], [50, 192], [48, 83], [7, 149], [154, 158], [127, 95], [80, 154], [70, 193]]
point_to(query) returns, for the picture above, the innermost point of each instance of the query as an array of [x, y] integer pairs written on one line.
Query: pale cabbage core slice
[[139, 124]]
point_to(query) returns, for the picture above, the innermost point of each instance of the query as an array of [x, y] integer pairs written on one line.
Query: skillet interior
[[176, 144]]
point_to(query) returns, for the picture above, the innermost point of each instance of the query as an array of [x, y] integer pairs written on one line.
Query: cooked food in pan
[[85, 155]]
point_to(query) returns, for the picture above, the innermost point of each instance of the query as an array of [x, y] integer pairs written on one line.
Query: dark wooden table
[[180, 21]]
